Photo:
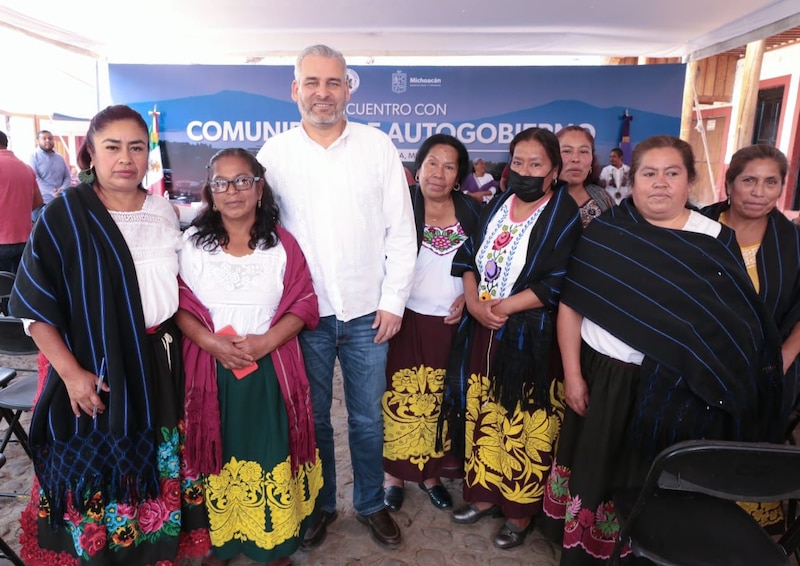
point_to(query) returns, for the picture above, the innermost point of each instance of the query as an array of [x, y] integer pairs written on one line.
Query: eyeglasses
[[239, 183]]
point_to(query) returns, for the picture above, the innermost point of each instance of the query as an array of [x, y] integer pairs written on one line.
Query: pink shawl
[[203, 450]]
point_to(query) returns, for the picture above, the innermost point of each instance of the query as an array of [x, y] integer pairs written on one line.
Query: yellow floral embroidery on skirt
[[769, 513], [410, 415], [240, 496], [504, 450]]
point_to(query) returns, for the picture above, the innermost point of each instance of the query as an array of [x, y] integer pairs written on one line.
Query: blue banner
[[205, 108]]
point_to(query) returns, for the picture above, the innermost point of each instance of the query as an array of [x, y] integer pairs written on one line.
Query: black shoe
[[382, 528], [510, 535], [439, 496], [393, 497], [315, 534], [470, 514]]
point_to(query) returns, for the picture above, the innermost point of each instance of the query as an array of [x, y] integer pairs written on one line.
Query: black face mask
[[526, 188]]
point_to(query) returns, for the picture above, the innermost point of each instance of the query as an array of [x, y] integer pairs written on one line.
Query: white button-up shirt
[[349, 208]]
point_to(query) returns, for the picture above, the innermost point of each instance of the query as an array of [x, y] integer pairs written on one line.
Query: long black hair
[[211, 233]]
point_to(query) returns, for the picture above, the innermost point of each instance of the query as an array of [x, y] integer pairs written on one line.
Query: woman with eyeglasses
[[246, 293]]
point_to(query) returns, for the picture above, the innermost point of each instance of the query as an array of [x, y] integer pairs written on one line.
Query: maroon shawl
[[203, 451]]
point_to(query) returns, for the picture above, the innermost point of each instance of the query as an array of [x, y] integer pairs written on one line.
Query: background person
[[418, 354], [577, 153], [51, 170], [19, 196], [689, 352], [99, 281], [326, 171], [770, 245], [615, 177], [501, 362], [242, 271], [479, 184]]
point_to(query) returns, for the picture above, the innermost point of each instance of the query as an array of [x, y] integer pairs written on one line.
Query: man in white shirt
[[615, 178], [342, 193]]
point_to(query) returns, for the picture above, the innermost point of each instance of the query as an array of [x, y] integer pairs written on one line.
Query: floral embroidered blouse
[[502, 256], [434, 289]]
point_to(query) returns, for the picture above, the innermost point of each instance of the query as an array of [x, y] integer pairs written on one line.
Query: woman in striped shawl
[[663, 339], [770, 246], [501, 398], [99, 281]]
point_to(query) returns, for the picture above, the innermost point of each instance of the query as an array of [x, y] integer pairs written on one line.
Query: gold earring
[[214, 207], [259, 203]]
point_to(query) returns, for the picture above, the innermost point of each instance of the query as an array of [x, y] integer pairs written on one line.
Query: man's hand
[[387, 324]]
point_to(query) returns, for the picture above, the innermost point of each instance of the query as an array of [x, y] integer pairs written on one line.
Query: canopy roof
[[55, 52], [242, 31]]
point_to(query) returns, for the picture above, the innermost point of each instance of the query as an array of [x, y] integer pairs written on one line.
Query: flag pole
[[154, 179]]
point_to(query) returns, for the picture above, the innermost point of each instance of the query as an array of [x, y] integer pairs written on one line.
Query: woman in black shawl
[[577, 153], [770, 246], [99, 282], [445, 217], [662, 339], [502, 396]]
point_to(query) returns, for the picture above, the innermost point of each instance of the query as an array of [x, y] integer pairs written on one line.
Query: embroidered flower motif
[[586, 517], [492, 271], [443, 241], [93, 538], [152, 514], [502, 240], [168, 459], [171, 493], [124, 536]]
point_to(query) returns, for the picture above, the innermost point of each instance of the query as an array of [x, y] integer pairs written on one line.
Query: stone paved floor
[[429, 537]]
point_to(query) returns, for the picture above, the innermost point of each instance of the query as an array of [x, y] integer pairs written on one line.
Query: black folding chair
[[16, 398], [13, 340], [686, 513], [6, 284], [5, 550]]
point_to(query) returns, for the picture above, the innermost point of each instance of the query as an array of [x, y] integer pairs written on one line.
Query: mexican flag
[[154, 179]]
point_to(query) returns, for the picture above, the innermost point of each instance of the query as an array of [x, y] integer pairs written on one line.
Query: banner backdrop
[[205, 108]]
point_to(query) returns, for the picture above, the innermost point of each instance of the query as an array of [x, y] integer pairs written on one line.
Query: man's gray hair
[[320, 51]]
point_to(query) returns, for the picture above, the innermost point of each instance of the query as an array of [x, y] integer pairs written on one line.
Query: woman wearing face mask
[[500, 398], [577, 153]]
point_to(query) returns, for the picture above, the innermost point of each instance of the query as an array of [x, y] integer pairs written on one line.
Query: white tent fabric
[[245, 31]]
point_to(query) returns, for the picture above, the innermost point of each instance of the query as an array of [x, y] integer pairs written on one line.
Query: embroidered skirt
[[415, 369], [509, 454], [255, 506], [159, 531]]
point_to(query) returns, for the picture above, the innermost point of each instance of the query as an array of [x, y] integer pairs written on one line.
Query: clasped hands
[[235, 352]]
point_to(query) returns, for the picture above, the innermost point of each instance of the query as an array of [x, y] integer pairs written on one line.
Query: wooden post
[[748, 94], [687, 109]]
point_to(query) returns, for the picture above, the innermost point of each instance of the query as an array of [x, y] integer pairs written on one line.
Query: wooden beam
[[748, 94], [687, 108]]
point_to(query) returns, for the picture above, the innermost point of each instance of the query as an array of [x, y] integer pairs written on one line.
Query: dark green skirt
[[255, 506]]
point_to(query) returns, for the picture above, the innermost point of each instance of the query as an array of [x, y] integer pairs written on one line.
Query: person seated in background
[[480, 184]]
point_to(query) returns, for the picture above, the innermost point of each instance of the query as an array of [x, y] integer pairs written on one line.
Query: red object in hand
[[239, 373]]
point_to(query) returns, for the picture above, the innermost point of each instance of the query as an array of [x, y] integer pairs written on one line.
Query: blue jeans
[[363, 366], [10, 256]]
